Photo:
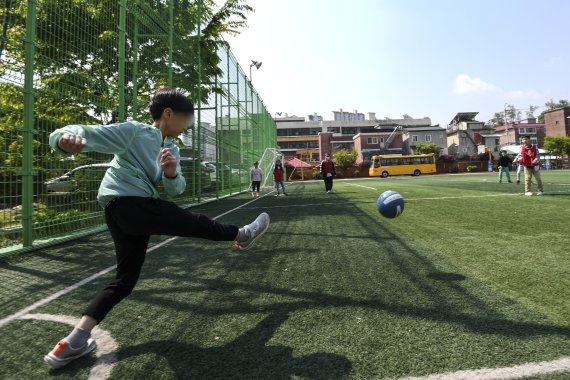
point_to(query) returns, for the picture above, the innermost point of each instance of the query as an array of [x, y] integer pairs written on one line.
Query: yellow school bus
[[384, 166]]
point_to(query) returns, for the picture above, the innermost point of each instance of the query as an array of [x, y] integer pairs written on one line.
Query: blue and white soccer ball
[[390, 204]]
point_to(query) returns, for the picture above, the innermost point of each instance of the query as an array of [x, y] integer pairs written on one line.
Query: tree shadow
[[247, 357], [446, 295]]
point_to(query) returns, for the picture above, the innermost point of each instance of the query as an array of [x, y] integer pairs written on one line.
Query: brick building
[[511, 134], [557, 122]]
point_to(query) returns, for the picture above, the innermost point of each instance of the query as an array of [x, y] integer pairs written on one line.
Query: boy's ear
[[167, 113]]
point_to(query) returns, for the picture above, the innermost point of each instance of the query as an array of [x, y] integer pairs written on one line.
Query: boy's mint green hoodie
[[135, 170]]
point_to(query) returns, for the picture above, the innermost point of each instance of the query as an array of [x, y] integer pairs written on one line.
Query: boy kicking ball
[[144, 155]]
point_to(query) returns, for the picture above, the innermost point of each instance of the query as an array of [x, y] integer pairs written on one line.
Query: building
[[557, 122], [511, 134], [424, 135], [465, 134], [310, 138], [299, 136], [381, 141], [341, 115]]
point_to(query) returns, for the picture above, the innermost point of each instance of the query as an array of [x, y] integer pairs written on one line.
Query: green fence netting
[[98, 62]]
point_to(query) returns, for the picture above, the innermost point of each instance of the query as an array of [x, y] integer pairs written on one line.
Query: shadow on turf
[[448, 300], [248, 357], [443, 276], [451, 301]]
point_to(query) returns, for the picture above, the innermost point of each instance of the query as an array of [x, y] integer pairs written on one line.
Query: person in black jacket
[[328, 171], [504, 163]]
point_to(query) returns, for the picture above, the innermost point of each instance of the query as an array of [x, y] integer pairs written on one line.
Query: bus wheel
[[417, 172], [384, 174]]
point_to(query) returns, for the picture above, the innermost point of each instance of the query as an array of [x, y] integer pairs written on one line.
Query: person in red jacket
[[278, 174], [328, 171], [531, 161]]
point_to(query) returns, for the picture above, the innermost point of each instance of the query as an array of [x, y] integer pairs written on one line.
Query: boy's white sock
[[78, 337]]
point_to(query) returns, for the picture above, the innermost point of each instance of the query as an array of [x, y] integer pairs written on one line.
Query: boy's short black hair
[[172, 98], [526, 137]]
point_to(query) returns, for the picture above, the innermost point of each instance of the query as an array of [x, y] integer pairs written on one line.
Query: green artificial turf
[[471, 276]]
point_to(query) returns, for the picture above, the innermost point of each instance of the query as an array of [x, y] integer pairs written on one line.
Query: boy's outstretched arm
[[112, 139]]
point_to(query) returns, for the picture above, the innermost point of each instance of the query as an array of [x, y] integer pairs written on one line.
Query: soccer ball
[[390, 204]]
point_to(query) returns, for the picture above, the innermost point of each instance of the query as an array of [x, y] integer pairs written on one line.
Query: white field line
[[406, 199], [308, 204], [69, 289], [516, 372], [464, 196], [106, 352], [355, 184]]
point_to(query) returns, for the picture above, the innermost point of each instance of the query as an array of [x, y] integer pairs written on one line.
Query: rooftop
[[464, 116]]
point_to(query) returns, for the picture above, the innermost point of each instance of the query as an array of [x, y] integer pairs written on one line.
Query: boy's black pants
[[131, 221], [328, 183]]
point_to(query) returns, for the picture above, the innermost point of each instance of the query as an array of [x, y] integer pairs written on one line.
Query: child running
[[143, 156]]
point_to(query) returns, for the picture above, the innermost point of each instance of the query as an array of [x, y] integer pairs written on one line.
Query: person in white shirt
[[256, 174], [520, 167]]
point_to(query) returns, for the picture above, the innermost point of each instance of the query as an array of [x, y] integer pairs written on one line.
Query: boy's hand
[[71, 143], [168, 163]]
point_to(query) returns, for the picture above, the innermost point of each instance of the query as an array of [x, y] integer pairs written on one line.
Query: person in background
[[504, 163], [531, 162], [256, 175], [328, 171], [278, 174], [520, 168]]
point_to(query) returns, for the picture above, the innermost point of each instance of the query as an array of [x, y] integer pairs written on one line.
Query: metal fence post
[[170, 39], [199, 118], [122, 53], [134, 99], [28, 128]]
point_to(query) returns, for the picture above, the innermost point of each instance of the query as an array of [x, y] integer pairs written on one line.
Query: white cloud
[[464, 84]]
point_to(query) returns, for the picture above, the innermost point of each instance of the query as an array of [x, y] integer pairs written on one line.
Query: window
[[381, 139], [533, 140], [414, 138], [428, 138], [373, 140], [529, 131], [497, 142]]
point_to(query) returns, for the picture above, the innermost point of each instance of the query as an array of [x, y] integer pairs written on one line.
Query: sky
[[418, 57]]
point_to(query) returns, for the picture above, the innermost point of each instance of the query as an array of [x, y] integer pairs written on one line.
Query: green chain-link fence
[[96, 62]]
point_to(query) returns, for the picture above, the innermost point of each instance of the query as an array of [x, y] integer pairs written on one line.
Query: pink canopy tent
[[296, 163]]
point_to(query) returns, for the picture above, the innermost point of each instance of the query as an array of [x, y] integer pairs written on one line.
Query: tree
[[557, 145], [498, 119], [345, 158], [513, 114], [428, 149], [551, 105], [530, 111], [76, 78]]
